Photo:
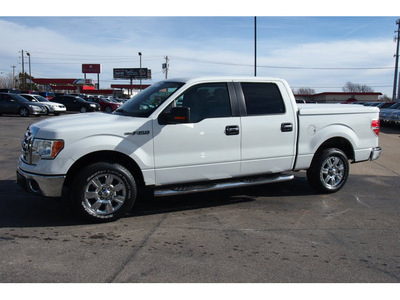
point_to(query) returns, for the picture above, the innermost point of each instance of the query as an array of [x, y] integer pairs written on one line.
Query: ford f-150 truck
[[187, 135]]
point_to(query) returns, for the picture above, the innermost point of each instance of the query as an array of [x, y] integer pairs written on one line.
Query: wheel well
[[105, 156], [339, 143]]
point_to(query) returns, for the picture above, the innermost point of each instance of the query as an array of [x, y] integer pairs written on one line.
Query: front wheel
[[328, 171], [83, 109], [104, 192], [24, 112]]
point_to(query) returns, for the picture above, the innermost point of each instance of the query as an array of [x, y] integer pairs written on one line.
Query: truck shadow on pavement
[[390, 129], [155, 205], [21, 209]]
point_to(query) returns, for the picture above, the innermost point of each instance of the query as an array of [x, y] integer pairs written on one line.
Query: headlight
[[93, 105], [46, 149], [34, 107]]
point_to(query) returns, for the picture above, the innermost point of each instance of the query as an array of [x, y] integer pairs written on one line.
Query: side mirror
[[177, 115]]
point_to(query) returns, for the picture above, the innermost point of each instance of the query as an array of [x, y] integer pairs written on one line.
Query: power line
[[128, 59], [281, 67]]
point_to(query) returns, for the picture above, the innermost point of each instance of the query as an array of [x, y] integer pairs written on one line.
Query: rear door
[[9, 105], [268, 126]]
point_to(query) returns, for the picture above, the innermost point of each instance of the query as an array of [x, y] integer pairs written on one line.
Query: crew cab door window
[[262, 98], [210, 100]]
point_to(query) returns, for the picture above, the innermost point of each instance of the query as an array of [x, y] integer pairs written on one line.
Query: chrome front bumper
[[49, 186]]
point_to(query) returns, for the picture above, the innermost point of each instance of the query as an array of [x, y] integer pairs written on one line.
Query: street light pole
[[13, 77], [140, 70], [30, 73], [23, 71]]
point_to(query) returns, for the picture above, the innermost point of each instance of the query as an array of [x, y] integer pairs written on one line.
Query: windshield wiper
[[122, 111]]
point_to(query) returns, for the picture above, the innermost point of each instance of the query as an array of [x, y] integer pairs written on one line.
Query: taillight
[[375, 126]]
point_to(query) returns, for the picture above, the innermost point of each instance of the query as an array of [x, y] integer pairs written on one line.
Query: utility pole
[[166, 67], [255, 46], [396, 68]]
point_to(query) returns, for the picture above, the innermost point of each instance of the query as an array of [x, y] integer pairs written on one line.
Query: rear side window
[[262, 98]]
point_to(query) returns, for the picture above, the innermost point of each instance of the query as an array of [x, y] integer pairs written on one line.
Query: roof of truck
[[224, 78]]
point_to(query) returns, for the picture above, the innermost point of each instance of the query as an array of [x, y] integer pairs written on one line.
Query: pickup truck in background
[[188, 135]]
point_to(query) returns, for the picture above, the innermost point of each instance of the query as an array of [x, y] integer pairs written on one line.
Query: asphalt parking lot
[[272, 233]]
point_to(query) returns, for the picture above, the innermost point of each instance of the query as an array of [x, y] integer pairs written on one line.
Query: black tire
[[329, 171], [103, 192], [24, 112], [108, 110], [83, 109]]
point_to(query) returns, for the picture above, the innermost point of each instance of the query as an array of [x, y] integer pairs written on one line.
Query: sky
[[314, 50]]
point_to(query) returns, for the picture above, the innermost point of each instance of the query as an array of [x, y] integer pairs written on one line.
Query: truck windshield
[[146, 102]]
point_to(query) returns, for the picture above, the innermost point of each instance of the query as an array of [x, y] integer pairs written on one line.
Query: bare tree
[[305, 91], [351, 87], [6, 81], [385, 98]]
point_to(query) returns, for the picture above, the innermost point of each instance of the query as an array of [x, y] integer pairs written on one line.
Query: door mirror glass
[[177, 115]]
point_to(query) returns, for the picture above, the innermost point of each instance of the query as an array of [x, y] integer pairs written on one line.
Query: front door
[[205, 148]]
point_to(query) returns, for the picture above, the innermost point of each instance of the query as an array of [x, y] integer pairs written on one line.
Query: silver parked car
[[52, 107]]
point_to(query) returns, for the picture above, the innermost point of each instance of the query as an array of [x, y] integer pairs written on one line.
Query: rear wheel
[[328, 171], [104, 192]]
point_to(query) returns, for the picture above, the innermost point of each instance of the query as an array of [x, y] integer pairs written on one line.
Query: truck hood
[[87, 124]]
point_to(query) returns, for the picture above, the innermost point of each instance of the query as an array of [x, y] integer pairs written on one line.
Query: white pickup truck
[[188, 135]]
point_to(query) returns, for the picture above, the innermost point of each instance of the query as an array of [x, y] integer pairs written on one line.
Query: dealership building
[[340, 97]]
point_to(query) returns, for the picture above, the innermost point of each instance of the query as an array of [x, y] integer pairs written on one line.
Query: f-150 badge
[[142, 132]]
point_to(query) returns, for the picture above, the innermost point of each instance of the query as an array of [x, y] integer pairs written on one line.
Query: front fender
[[139, 149]]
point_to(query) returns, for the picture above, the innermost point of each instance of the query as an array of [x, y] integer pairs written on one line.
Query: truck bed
[[328, 109]]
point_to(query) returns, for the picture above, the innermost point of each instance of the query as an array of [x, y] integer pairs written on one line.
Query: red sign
[[91, 68]]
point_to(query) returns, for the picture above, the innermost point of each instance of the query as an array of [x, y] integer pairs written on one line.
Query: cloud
[[60, 53]]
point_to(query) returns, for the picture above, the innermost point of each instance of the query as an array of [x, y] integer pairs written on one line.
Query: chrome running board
[[213, 186]]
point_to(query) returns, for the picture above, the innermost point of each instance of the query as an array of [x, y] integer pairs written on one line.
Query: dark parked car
[[75, 103], [105, 104], [15, 104], [47, 95]]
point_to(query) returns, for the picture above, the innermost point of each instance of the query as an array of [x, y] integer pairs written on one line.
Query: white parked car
[[52, 107]]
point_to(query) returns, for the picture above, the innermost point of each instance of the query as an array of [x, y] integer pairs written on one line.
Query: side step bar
[[213, 186]]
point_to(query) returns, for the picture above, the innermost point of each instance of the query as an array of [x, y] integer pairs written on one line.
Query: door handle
[[232, 130], [286, 127]]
